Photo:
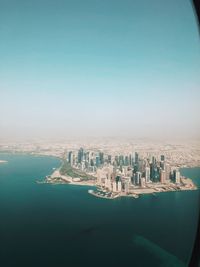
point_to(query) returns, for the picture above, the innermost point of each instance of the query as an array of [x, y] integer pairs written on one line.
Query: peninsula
[[123, 175]]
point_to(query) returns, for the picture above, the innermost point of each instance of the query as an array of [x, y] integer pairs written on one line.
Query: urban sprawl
[[111, 167]]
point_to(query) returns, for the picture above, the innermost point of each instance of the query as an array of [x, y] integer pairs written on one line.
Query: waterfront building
[[133, 178], [162, 176], [154, 173], [142, 182], [138, 177], [119, 186], [82, 165], [147, 174], [114, 186], [167, 170], [177, 176], [126, 185]]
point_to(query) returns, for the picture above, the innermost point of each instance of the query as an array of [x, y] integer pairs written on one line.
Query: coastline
[[3, 161], [56, 178]]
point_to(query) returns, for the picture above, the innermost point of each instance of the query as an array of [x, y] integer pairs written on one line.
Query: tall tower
[[147, 174], [177, 177], [162, 176], [168, 171], [114, 186], [138, 177], [162, 158], [119, 186], [136, 158], [126, 187], [80, 155]]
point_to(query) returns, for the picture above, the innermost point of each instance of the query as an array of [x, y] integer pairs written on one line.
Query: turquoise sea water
[[63, 225]]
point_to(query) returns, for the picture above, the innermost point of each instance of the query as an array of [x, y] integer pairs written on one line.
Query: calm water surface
[[62, 225]]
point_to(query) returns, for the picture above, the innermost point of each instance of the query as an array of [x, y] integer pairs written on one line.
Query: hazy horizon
[[72, 69]]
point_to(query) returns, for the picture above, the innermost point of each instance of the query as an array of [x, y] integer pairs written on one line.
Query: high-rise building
[[109, 159], [130, 160], [168, 171], [147, 174], [121, 160], [162, 158], [80, 155], [133, 178], [142, 182], [136, 158], [70, 157], [114, 186], [119, 186], [91, 162], [126, 187], [126, 161], [153, 160], [154, 174], [162, 165], [116, 161], [138, 177], [177, 177], [101, 158], [162, 176], [97, 161], [141, 165]]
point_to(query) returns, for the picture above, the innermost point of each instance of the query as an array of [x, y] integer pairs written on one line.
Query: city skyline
[[99, 68], [120, 175]]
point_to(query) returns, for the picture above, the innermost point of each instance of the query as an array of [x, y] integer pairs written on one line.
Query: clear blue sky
[[98, 67]]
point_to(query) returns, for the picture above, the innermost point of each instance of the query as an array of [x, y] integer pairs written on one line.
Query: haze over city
[[99, 68]]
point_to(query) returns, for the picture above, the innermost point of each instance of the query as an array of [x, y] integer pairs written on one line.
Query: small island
[[123, 176], [3, 161]]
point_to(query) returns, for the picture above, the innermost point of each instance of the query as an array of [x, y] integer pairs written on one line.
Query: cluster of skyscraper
[[120, 173]]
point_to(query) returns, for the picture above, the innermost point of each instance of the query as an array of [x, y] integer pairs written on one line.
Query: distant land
[[3, 161], [179, 153]]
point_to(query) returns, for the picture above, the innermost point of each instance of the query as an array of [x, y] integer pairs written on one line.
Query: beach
[[3, 161]]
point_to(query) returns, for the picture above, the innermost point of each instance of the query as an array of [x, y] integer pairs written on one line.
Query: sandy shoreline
[[3, 161]]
